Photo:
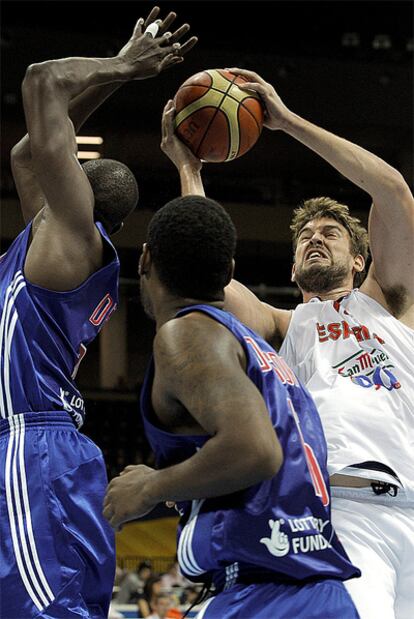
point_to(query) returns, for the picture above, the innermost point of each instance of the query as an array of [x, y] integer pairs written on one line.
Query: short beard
[[146, 301], [319, 280]]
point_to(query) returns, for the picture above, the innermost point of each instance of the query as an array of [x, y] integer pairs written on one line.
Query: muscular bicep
[[31, 196], [269, 322], [202, 367], [54, 152], [67, 247], [200, 364]]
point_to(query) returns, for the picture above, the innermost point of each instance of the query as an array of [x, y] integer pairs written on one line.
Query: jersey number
[[313, 465], [102, 310]]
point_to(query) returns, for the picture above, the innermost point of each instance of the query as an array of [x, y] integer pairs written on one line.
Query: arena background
[[347, 66]]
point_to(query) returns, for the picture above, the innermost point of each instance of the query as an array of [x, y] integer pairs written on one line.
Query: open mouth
[[315, 255]]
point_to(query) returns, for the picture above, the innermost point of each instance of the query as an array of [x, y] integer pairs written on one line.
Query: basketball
[[215, 118]]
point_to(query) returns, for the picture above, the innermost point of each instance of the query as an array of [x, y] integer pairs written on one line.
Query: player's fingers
[[180, 32], [258, 88], [250, 75], [108, 511], [168, 106], [167, 116], [152, 16], [138, 27], [115, 524], [170, 504], [166, 23], [185, 47], [169, 61], [168, 111], [152, 29], [128, 468]]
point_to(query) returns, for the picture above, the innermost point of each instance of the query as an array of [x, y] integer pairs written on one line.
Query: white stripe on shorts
[[185, 552], [202, 612], [20, 520]]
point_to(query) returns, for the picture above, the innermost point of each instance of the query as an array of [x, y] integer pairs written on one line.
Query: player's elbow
[[20, 153], [273, 458], [40, 80], [393, 186], [268, 456], [37, 73]]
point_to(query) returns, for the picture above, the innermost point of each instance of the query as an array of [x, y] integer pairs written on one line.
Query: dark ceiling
[[363, 93]]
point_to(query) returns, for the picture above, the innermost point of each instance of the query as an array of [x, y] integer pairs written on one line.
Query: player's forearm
[[191, 182], [361, 167], [80, 108], [72, 76], [219, 468], [84, 104]]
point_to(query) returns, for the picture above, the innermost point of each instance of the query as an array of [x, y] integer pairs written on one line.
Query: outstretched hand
[[276, 112], [172, 146], [152, 50]]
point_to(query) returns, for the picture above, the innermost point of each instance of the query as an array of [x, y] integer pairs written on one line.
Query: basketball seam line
[[241, 103], [213, 117]]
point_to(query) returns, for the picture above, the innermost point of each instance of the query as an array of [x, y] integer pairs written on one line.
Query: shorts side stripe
[[202, 612], [19, 510], [29, 518], [10, 509], [185, 552]]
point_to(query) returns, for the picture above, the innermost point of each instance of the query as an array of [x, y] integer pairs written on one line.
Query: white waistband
[[353, 471], [367, 495]]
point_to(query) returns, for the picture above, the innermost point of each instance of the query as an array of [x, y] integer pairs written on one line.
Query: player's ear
[[144, 260], [292, 276], [231, 272], [359, 263]]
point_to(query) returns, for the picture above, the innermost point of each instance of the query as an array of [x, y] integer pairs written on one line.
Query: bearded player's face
[[323, 258]]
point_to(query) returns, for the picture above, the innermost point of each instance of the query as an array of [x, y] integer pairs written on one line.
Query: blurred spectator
[[190, 595], [132, 585], [119, 576], [174, 578], [161, 607], [151, 590]]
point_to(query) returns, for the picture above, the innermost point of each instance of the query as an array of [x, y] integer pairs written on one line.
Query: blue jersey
[[44, 334], [279, 529]]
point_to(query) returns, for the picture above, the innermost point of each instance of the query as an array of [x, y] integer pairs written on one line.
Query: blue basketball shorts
[[326, 599], [57, 552]]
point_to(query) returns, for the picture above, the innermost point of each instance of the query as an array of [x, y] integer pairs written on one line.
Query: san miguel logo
[[366, 368], [369, 369]]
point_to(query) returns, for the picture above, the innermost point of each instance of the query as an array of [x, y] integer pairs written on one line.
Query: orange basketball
[[215, 118]]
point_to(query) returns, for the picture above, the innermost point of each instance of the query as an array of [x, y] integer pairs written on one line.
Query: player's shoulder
[[189, 330], [278, 324], [193, 335]]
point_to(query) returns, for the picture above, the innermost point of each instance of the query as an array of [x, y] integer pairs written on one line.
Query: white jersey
[[357, 361]]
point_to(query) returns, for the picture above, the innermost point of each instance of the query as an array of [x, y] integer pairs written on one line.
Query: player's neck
[[170, 306], [331, 295]]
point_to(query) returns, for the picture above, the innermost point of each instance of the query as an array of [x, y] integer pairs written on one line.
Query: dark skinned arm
[[67, 247], [212, 385], [81, 107]]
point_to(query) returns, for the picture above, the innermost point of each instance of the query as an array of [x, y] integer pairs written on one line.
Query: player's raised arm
[[270, 322], [81, 107], [188, 165], [222, 401], [48, 90], [391, 223]]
